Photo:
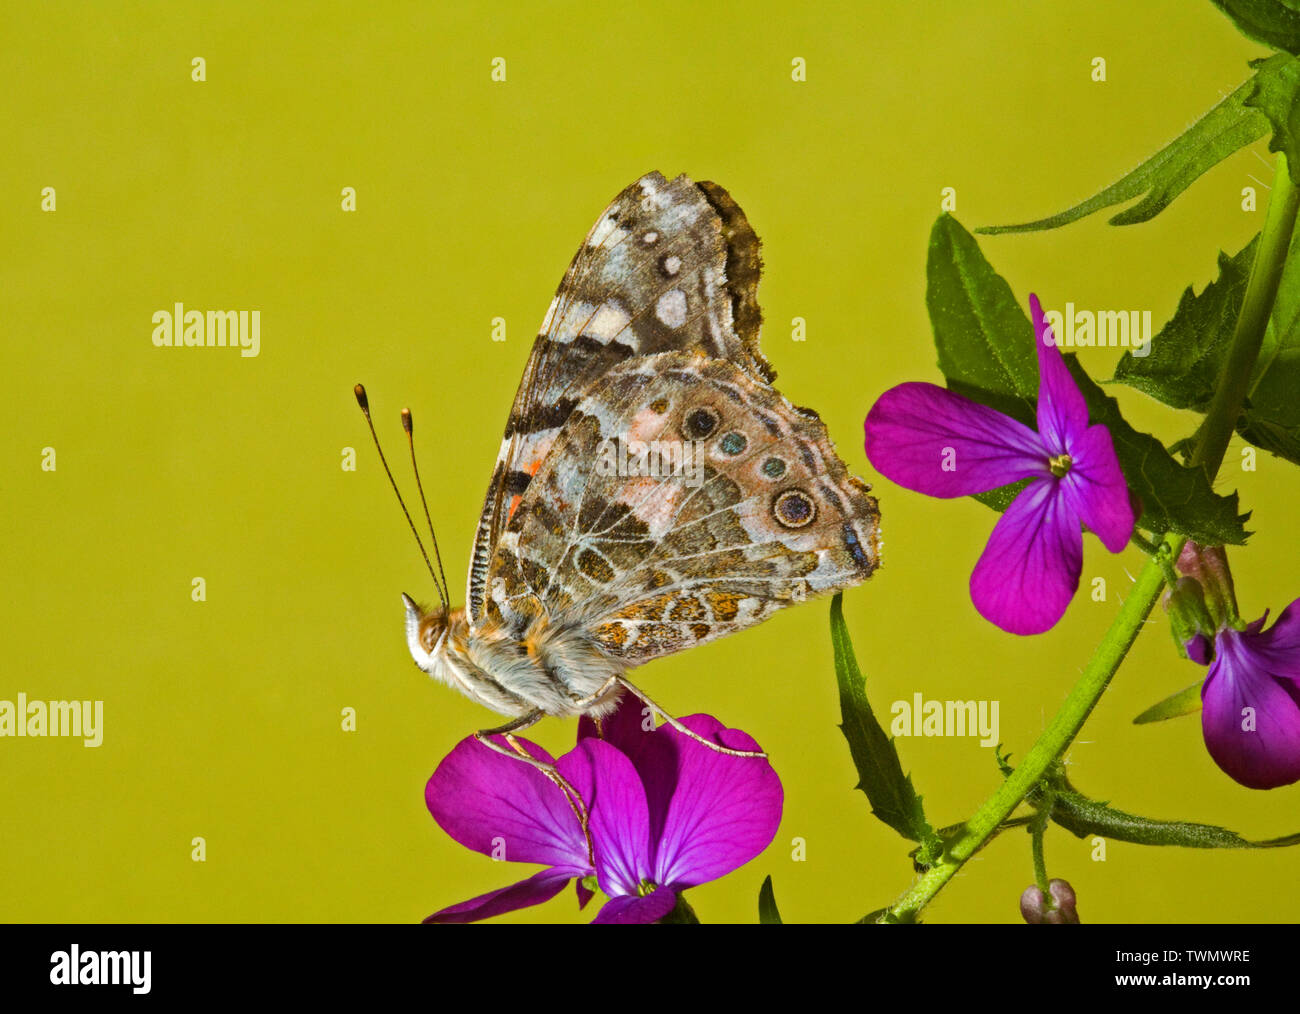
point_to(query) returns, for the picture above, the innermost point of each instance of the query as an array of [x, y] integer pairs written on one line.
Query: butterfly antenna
[[364, 402], [408, 424]]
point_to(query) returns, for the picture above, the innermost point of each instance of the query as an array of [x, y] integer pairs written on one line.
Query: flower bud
[[1058, 908], [1189, 620], [1208, 565]]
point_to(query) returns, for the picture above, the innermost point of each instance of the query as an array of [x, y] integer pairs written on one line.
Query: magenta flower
[[1250, 702], [931, 440], [665, 813]]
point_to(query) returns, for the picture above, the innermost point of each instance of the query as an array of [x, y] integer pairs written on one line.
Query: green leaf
[[1277, 95], [682, 914], [767, 911], [1183, 448], [1228, 127], [1275, 23], [1083, 817], [1185, 702], [893, 799], [985, 341], [1175, 498], [1000, 499], [1185, 359]]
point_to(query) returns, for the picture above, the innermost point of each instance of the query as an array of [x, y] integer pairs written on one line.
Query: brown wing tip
[[744, 269]]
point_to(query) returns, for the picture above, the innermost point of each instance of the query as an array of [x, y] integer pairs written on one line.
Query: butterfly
[[591, 556]]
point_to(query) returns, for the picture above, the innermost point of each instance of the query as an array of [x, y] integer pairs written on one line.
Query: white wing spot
[[570, 319], [671, 308], [606, 232], [607, 322], [650, 238], [672, 265]]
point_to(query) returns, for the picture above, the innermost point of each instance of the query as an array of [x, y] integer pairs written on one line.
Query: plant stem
[[1144, 544], [1211, 444], [1055, 738], [1037, 831], [1265, 274]]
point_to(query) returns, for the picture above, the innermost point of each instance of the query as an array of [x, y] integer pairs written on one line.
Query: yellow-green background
[[223, 718]]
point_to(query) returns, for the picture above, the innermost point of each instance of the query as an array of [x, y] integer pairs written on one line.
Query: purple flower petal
[[1030, 568], [1278, 648], [585, 894], [934, 441], [624, 729], [1199, 649], [629, 908], [1062, 412], [1096, 489], [536, 889], [714, 812], [504, 808], [1259, 748], [617, 818]]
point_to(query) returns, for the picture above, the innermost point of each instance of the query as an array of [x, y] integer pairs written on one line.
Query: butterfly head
[[426, 632]]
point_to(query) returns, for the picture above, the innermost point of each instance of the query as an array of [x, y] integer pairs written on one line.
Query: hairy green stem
[[1261, 289], [1038, 831], [1211, 444], [1144, 544], [1055, 738]]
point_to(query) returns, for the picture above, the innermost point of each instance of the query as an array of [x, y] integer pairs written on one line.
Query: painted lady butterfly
[[580, 570]]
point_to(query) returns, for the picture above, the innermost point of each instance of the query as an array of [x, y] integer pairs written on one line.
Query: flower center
[[646, 887], [1060, 465]]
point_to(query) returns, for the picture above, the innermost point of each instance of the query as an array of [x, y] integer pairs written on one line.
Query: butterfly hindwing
[[669, 265], [752, 510]]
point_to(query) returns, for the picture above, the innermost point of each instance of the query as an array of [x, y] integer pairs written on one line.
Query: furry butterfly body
[[582, 571]]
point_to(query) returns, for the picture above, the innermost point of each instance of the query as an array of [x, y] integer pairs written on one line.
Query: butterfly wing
[[670, 264], [762, 513]]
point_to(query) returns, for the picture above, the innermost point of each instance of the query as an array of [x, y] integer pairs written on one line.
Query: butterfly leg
[[583, 703], [517, 752], [681, 728]]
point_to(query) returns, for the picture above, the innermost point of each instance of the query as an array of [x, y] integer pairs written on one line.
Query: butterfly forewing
[[669, 265]]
